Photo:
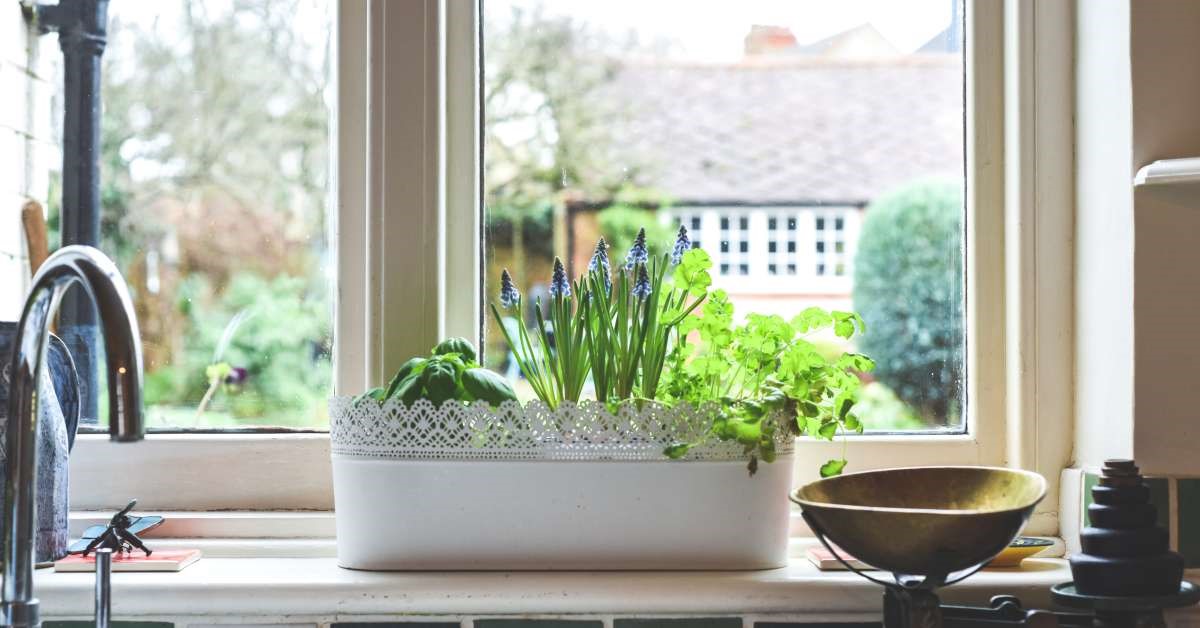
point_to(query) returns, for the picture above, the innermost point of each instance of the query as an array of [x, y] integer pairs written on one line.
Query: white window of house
[[831, 244], [734, 244], [694, 223], [782, 256]]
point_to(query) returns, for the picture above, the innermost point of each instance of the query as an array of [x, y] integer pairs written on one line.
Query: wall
[[1166, 99], [1104, 348], [1138, 258], [28, 150]]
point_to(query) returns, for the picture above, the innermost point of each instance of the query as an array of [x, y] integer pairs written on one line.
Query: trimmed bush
[[908, 287]]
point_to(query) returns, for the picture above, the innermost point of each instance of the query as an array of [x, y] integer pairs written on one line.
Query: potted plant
[[661, 436]]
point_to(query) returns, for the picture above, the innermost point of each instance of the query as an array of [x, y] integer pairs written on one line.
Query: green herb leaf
[[811, 318], [461, 346], [691, 275], [216, 373], [832, 468], [856, 361], [846, 323], [405, 370], [488, 386], [677, 451]]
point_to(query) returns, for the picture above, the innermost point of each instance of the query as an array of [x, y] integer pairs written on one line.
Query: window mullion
[[462, 233], [404, 273]]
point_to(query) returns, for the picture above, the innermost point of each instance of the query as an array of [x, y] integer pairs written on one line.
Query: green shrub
[[620, 224], [283, 342], [908, 287]]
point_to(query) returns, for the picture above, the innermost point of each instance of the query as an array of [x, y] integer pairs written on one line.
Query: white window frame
[[408, 218]]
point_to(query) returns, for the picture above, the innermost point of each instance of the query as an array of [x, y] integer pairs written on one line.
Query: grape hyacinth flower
[[237, 375], [559, 286], [599, 258], [600, 263], [641, 288], [637, 253], [510, 297], [682, 245]]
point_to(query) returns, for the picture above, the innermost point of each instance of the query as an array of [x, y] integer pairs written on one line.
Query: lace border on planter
[[587, 431]]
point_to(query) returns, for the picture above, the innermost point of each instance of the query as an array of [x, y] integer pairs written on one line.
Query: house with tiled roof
[[771, 162]]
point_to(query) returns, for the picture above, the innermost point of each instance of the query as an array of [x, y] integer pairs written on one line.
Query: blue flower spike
[[559, 286], [510, 297], [682, 245], [637, 253], [600, 258], [641, 288], [600, 264]]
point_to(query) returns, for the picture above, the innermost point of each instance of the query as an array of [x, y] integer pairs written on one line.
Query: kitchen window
[[414, 204]]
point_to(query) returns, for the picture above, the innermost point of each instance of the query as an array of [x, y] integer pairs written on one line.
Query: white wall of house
[[781, 259], [28, 150]]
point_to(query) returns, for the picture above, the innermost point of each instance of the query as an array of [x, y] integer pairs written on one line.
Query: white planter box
[[468, 488]]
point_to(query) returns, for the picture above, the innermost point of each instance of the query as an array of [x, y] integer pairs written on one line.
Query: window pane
[[842, 119], [215, 161]]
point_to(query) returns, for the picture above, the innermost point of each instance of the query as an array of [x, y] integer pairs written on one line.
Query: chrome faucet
[[98, 277]]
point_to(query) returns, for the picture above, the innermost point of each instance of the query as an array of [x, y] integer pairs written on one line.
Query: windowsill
[[316, 589]]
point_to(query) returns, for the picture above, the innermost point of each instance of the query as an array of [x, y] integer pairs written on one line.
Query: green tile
[[1089, 480], [538, 623], [681, 622], [394, 624], [1159, 496], [114, 624], [1189, 521], [777, 624]]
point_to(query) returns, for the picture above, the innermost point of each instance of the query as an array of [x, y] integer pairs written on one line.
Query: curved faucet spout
[[98, 276]]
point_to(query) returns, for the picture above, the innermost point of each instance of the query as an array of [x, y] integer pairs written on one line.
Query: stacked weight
[[1125, 553]]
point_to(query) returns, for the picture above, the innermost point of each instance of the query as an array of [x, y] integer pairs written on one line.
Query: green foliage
[[459, 345], [632, 332], [615, 328], [283, 343], [449, 373], [620, 225], [768, 364], [481, 383], [220, 111], [908, 283], [548, 126], [879, 409]]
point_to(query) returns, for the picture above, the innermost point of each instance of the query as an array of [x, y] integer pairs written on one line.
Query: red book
[[825, 561], [162, 560]]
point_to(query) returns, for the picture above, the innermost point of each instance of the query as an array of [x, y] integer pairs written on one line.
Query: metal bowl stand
[[910, 602]]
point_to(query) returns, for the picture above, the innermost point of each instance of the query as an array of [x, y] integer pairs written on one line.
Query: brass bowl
[[922, 521]]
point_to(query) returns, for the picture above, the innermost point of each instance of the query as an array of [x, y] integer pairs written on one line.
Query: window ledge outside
[[317, 590]]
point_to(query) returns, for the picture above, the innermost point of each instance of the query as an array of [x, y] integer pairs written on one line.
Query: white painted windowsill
[[317, 590]]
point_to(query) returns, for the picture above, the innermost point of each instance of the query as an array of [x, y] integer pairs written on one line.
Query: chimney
[[767, 39]]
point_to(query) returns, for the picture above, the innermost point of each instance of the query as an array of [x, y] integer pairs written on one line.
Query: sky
[[712, 30]]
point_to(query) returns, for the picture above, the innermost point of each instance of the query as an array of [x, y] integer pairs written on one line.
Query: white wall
[[1138, 258], [28, 149], [1166, 124], [1104, 348]]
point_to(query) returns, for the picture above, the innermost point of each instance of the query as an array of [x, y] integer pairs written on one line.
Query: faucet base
[[20, 614]]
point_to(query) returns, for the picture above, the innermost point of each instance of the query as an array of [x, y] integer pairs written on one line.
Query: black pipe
[[82, 27]]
